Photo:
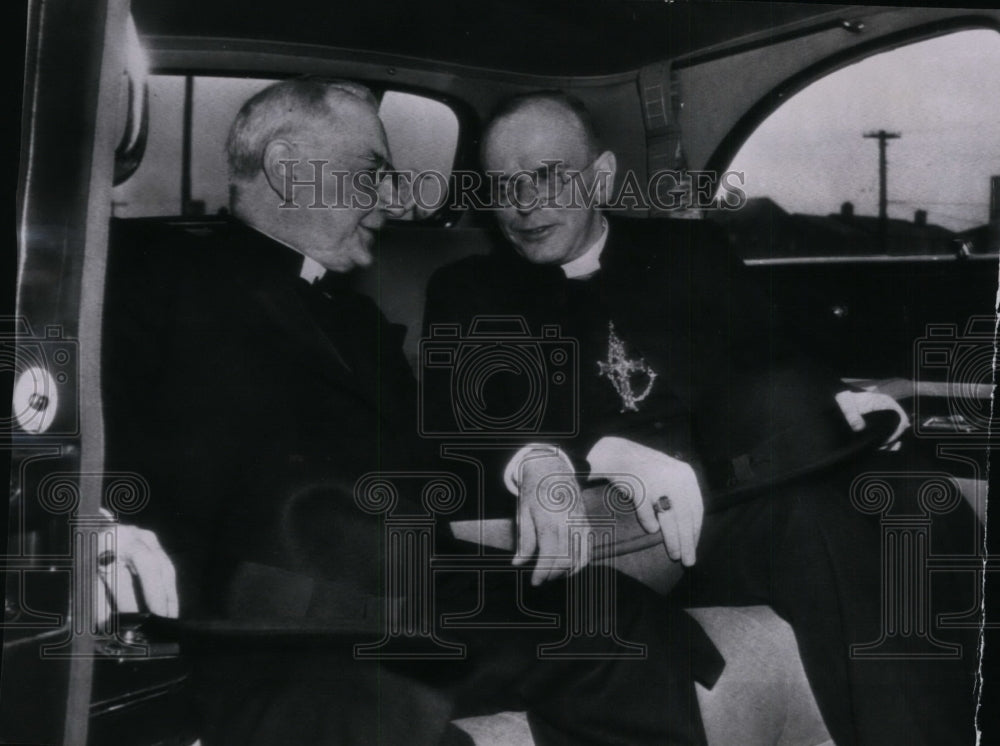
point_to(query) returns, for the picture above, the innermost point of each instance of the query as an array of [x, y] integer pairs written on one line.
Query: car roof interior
[[564, 37]]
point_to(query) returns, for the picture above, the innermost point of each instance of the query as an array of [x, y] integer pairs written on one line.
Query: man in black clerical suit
[[686, 381], [253, 388]]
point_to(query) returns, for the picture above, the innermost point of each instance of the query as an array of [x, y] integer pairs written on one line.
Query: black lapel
[[645, 287], [297, 312]]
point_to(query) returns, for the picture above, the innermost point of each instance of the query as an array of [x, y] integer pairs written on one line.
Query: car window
[[180, 176], [422, 136], [811, 171]]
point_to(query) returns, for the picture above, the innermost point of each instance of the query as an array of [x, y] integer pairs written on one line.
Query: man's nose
[[524, 204], [395, 197]]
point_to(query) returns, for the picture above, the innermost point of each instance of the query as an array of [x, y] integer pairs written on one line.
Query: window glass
[[215, 104], [812, 169], [155, 188], [422, 134]]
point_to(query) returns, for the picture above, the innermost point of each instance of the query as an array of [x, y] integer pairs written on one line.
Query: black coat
[[681, 302], [252, 401], [728, 384]]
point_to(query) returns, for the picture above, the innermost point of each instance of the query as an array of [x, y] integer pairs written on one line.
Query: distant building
[[763, 229], [984, 239]]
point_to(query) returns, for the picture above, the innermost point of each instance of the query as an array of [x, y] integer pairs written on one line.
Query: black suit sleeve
[[455, 296]]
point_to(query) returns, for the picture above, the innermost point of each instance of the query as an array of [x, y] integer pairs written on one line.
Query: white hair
[[279, 110]]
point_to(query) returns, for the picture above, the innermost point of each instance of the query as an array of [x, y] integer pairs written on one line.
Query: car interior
[[894, 292]]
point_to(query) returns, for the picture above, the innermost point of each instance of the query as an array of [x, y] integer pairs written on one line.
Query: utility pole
[[186, 145], [883, 218]]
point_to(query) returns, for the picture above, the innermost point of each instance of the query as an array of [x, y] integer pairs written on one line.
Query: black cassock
[[253, 401], [707, 374]]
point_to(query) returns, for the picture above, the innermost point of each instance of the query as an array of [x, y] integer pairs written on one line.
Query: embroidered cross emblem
[[620, 371]]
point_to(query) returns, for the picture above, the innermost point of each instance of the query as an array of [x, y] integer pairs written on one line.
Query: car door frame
[[73, 70]]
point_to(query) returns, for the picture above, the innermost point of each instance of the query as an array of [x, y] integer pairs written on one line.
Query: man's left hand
[[856, 404]]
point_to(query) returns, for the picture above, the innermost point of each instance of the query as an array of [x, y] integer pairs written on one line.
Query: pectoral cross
[[620, 371]]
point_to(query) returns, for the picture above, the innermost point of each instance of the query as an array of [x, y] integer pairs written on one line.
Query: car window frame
[[757, 115]]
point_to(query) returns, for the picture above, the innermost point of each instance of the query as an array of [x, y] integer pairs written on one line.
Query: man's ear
[[605, 168], [279, 166]]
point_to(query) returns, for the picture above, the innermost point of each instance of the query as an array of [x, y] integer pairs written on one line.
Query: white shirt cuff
[[512, 474]]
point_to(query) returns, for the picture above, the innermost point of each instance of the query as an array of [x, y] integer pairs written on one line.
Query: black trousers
[[842, 577], [623, 675]]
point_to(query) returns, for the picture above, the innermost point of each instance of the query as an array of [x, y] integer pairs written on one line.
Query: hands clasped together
[[669, 501]]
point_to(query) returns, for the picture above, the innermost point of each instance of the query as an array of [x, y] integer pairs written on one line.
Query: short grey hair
[[566, 101], [280, 110]]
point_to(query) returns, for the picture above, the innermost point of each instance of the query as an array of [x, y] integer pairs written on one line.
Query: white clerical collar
[[589, 261], [312, 271]]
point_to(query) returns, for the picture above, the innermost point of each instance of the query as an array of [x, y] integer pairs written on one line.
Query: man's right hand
[[671, 484], [548, 496], [133, 553], [672, 502]]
